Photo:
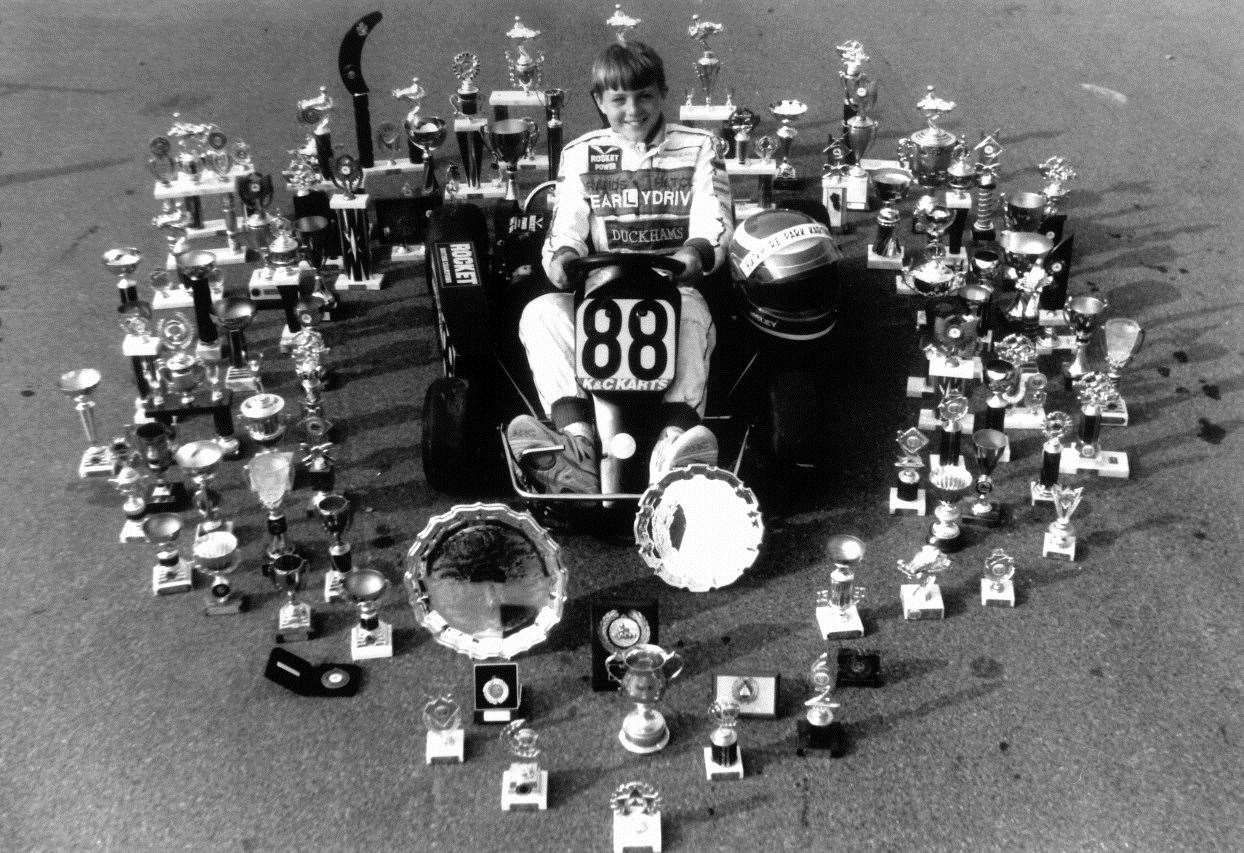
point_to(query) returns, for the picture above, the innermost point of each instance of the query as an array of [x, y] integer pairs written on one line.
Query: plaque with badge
[[755, 694], [498, 692], [617, 624]]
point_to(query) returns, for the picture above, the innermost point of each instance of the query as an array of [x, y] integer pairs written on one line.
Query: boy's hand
[[690, 259], [557, 268]]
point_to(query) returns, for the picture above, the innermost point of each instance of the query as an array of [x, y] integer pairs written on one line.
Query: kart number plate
[[624, 344]]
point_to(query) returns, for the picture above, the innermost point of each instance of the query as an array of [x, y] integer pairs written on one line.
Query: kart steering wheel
[[577, 269]]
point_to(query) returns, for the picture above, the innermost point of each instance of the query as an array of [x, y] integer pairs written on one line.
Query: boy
[[639, 184]]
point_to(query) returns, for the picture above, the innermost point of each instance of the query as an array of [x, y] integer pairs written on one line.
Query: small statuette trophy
[[171, 573], [524, 785], [922, 599], [1057, 175], [741, 124], [372, 637], [621, 23], [858, 128], [336, 514], [636, 818], [989, 445], [1124, 338], [271, 476], [886, 252], [907, 496], [97, 460], [1060, 536], [442, 715], [929, 151], [837, 611], [817, 729], [1095, 391], [1083, 315], [722, 758], [644, 670], [293, 622], [201, 460], [526, 68], [216, 554], [952, 411], [997, 589], [1057, 427]]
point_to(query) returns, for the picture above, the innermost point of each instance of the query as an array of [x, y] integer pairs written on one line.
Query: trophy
[[1023, 211], [817, 729], [174, 220], [922, 599], [216, 155], [929, 151], [312, 235], [1009, 386], [837, 613], [1083, 313], [1095, 392], [948, 483], [427, 133], [317, 464], [97, 460], [131, 484], [886, 252], [953, 344], [154, 437], [525, 68], [856, 84], [197, 271], [465, 102], [786, 111], [170, 574], [742, 123], [997, 590], [201, 460], [442, 715], [621, 23], [388, 142], [1057, 174], [313, 425], [353, 227], [1057, 427], [985, 193], [372, 637], [179, 371], [160, 163], [336, 514], [858, 128], [122, 262], [554, 103], [509, 141], [271, 477], [524, 786], [952, 411], [293, 621], [1124, 338], [722, 759], [989, 445], [413, 95], [707, 66], [636, 810], [1060, 536], [234, 315], [932, 272], [977, 295], [907, 496], [216, 554], [643, 670], [262, 417]]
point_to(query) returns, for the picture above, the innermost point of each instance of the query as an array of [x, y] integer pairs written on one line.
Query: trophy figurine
[[886, 252], [524, 785], [154, 439], [636, 810], [1095, 392], [216, 554], [922, 599], [621, 23], [997, 589], [201, 460], [372, 637], [929, 151], [315, 113], [817, 729], [336, 514], [1057, 175], [509, 140], [722, 758], [427, 133], [1124, 338], [989, 445], [388, 143], [837, 611], [1060, 536], [1057, 427], [1084, 314], [293, 621], [948, 483], [526, 68], [97, 460], [271, 476], [643, 671], [170, 574], [907, 496], [174, 220], [442, 716]]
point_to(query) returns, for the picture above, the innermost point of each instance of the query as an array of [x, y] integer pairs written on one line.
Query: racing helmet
[[785, 267]]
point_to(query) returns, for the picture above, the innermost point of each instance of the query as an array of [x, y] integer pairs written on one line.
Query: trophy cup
[[1023, 253], [524, 786], [643, 670], [262, 417], [508, 141], [1095, 392], [234, 315], [154, 437], [271, 476], [786, 111], [336, 514], [722, 759], [179, 371], [160, 163], [554, 103], [1057, 174], [97, 460], [442, 716], [388, 142], [122, 262], [427, 133], [858, 128], [217, 554], [467, 122], [621, 23], [928, 152], [997, 589], [922, 599], [886, 252], [174, 220], [931, 272], [855, 80], [131, 484], [1023, 211], [1057, 427], [1124, 338], [413, 95], [708, 66], [1060, 536], [837, 611], [201, 460], [293, 621], [742, 123], [989, 444], [948, 483], [907, 496], [170, 574], [1084, 314], [372, 637], [636, 810], [312, 235], [353, 227]]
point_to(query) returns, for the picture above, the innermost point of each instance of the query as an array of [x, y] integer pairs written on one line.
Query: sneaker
[[676, 448], [573, 469]]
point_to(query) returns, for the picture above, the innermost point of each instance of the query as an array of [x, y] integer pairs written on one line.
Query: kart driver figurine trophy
[[293, 622], [1060, 536], [524, 785], [722, 758], [997, 589], [837, 611], [442, 715], [707, 69], [636, 818], [907, 496], [922, 599]]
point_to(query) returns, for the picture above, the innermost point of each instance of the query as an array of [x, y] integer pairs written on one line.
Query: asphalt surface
[[1101, 713]]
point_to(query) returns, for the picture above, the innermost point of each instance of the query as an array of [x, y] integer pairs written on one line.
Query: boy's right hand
[[557, 267]]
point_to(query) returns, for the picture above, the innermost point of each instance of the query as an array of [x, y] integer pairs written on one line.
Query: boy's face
[[632, 113]]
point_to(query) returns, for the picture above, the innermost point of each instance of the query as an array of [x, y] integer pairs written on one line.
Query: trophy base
[[132, 531], [416, 253], [333, 589], [203, 528], [373, 282], [752, 168], [898, 506], [242, 380], [935, 461], [705, 112], [886, 262], [832, 737], [1025, 417], [1052, 319], [537, 799], [715, 772], [140, 346], [637, 833], [1039, 494], [1055, 547], [647, 741], [370, 645], [171, 298], [226, 256], [928, 421], [484, 192], [991, 596], [1050, 345], [97, 461], [293, 623], [857, 191], [445, 747], [837, 623], [224, 606], [287, 340], [744, 210], [1114, 413], [997, 515], [1107, 463], [170, 580], [516, 98], [206, 185], [917, 606], [393, 167], [967, 368], [267, 283], [170, 497], [834, 197]]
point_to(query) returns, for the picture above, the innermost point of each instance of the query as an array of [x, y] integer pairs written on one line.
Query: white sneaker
[[677, 447]]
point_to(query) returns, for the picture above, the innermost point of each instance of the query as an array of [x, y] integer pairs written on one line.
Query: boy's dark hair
[[628, 67]]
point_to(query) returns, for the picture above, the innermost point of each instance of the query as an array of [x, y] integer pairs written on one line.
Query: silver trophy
[[1123, 338], [621, 23], [1060, 536], [636, 810], [929, 151], [271, 476], [523, 784], [708, 65], [786, 111], [170, 574], [372, 637], [1083, 315], [509, 141], [644, 670], [526, 68], [996, 586], [837, 611], [98, 459], [922, 599], [442, 717], [288, 573], [201, 460], [722, 758], [216, 554]]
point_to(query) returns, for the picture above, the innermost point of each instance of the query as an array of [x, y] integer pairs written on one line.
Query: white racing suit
[[618, 196]]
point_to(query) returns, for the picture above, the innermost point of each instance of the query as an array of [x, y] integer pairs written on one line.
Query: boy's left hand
[[690, 259]]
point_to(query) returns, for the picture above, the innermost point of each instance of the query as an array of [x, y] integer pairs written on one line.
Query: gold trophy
[[997, 589], [1060, 536], [929, 151], [837, 611]]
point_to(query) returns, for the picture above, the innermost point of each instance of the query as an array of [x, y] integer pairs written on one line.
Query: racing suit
[[614, 195]]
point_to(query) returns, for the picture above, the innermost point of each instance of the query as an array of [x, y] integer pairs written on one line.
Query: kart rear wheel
[[450, 453], [800, 432]]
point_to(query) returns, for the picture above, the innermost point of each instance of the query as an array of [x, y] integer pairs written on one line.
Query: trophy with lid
[[997, 588], [837, 610], [928, 152]]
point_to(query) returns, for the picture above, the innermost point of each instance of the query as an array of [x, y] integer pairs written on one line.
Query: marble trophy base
[[293, 623], [519, 98], [644, 735], [536, 799], [132, 531], [705, 112], [834, 197], [898, 506], [393, 167], [170, 580], [373, 282], [208, 184], [445, 747], [1025, 417], [837, 623], [887, 262], [928, 421], [265, 283], [203, 528], [1056, 547], [715, 772], [832, 737], [371, 645], [486, 191], [991, 596], [1107, 463], [97, 461], [333, 588], [917, 606], [1114, 414], [1039, 494], [857, 190], [242, 380], [637, 833]]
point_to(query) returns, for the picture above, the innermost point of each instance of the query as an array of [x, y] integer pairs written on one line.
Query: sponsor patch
[[603, 158]]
